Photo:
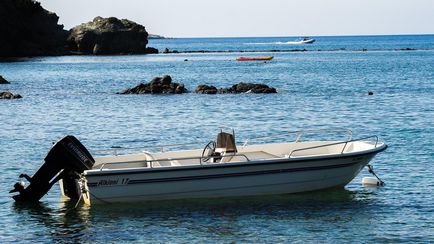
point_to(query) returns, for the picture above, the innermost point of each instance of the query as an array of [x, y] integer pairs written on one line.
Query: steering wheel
[[208, 151]]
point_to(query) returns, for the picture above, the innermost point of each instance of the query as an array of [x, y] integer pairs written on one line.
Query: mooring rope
[[371, 170]]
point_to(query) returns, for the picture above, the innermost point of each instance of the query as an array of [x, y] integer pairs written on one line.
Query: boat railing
[[164, 147], [345, 143], [201, 162], [115, 151], [299, 134]]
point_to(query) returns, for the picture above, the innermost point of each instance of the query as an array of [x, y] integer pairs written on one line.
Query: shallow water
[[317, 90]]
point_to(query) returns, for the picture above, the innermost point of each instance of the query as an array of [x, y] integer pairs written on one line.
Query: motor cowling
[[67, 159]]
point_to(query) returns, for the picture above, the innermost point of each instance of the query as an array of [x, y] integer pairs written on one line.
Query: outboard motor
[[66, 160]]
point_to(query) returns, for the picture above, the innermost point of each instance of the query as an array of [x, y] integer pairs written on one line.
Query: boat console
[[66, 160], [218, 150]]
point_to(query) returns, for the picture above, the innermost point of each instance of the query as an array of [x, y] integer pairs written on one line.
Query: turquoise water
[[317, 90]]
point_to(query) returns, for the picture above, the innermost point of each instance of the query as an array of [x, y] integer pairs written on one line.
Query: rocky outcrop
[[248, 88], [9, 95], [151, 50], [158, 85], [237, 88], [205, 89], [108, 36], [27, 29], [3, 80]]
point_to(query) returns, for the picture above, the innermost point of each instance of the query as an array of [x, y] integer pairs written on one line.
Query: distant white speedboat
[[220, 169], [305, 40]]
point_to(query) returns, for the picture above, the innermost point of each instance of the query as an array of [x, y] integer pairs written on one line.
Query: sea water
[[325, 87]]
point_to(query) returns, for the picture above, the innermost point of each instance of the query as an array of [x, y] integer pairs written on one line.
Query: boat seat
[[225, 143], [225, 146]]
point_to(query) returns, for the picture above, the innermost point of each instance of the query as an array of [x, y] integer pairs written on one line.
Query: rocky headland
[[108, 36], [27, 29]]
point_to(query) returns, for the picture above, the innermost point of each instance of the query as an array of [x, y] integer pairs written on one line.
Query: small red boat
[[255, 58]]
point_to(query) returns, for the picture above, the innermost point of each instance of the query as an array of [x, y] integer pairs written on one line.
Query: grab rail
[[116, 150], [300, 133], [171, 159], [336, 143]]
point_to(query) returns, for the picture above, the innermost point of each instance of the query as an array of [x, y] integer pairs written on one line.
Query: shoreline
[[298, 50], [23, 59]]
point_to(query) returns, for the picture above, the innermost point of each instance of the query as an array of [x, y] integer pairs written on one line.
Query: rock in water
[[205, 89], [27, 29], [3, 80], [158, 85], [248, 88], [151, 50], [109, 36], [9, 95]]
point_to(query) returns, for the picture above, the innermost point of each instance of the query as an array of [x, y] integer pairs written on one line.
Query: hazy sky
[[215, 18]]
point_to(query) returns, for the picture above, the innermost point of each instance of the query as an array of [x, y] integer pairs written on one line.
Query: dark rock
[[166, 50], [108, 36], [3, 80], [370, 93], [9, 95], [166, 80], [248, 88], [158, 85], [407, 49], [205, 89], [151, 50], [27, 29]]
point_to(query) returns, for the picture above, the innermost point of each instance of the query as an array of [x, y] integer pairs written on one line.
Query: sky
[[238, 18]]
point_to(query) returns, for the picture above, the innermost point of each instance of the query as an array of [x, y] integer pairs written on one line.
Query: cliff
[[27, 29], [108, 36]]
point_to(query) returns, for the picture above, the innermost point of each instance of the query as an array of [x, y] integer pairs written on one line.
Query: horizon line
[[295, 36]]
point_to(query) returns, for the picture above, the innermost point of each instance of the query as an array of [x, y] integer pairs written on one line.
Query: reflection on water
[[63, 222], [226, 218]]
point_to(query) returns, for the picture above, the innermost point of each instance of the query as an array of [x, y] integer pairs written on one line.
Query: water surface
[[317, 90]]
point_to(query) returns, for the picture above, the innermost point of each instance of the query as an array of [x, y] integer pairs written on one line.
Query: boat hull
[[268, 177], [310, 41], [255, 58]]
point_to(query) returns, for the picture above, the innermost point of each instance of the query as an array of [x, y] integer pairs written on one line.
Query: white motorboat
[[221, 169], [305, 40]]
